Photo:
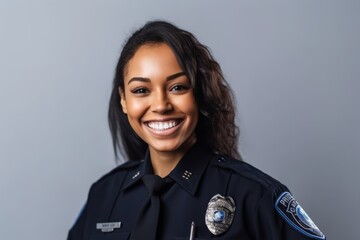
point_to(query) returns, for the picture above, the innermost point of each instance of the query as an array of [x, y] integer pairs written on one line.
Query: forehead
[[150, 58]]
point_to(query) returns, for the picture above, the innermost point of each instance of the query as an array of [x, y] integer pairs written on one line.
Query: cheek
[[135, 109], [189, 106]]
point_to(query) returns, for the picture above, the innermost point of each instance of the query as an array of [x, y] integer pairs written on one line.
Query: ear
[[122, 100]]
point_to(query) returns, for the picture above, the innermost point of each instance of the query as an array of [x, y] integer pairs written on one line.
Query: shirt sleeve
[[280, 217], [77, 230]]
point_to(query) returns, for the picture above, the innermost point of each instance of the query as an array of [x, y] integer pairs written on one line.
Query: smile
[[162, 126]]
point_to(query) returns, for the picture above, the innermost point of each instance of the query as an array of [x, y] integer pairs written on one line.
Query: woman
[[172, 115]]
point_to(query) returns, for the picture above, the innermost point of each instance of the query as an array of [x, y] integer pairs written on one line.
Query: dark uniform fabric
[[120, 194]]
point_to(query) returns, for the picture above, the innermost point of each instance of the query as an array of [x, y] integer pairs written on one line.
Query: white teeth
[[160, 126]]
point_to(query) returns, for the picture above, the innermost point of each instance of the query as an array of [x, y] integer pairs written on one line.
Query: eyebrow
[[168, 78]]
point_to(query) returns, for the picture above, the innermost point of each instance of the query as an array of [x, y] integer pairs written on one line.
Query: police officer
[[171, 113]]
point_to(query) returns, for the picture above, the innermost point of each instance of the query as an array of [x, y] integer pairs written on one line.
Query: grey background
[[294, 66]]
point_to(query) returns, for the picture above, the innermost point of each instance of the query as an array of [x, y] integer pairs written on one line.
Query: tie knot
[[153, 183]]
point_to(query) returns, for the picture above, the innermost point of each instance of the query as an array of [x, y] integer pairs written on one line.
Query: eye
[[140, 90], [179, 88]]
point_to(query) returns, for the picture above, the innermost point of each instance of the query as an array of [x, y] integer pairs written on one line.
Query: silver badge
[[219, 214]]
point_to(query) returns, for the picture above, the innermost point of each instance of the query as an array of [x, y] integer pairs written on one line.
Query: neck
[[163, 162]]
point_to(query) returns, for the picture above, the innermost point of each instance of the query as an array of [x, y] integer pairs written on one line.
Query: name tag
[[108, 227]]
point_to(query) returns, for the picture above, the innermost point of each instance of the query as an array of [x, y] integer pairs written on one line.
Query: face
[[159, 101]]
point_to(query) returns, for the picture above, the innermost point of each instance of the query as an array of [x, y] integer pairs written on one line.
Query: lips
[[163, 125]]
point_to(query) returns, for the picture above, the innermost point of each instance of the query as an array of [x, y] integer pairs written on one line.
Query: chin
[[166, 147]]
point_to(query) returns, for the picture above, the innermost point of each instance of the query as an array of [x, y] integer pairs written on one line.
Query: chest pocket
[[110, 236]]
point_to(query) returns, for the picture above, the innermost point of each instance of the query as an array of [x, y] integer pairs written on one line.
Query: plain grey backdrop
[[293, 65]]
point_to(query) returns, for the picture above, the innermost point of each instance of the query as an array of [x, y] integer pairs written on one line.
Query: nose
[[161, 103]]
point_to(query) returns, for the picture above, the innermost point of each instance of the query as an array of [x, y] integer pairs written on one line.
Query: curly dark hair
[[216, 126]]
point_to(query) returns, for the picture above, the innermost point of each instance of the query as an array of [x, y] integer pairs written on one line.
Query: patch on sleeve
[[294, 214]]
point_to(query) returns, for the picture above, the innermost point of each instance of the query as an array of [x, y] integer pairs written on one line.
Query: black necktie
[[147, 220]]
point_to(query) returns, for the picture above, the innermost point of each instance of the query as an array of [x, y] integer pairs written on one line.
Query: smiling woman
[[171, 114], [194, 63], [160, 105]]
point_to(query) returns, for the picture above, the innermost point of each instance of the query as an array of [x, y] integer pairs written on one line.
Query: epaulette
[[245, 170]]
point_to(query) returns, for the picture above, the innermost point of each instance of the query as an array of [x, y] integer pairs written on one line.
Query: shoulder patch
[[291, 211]]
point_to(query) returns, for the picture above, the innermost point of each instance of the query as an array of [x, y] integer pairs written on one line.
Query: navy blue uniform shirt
[[264, 208]]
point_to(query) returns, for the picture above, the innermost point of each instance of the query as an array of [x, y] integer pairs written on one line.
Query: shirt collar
[[190, 169], [187, 173], [136, 174]]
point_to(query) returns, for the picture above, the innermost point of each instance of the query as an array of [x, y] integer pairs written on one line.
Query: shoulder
[[118, 173], [246, 172]]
